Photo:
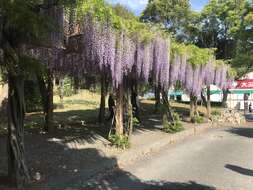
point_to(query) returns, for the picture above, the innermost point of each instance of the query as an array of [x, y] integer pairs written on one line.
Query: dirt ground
[[79, 144]]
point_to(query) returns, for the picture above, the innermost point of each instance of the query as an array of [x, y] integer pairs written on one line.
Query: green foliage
[[123, 12], [121, 142], [244, 36], [199, 56], [175, 127], [28, 126], [23, 23], [172, 14], [216, 113], [136, 122], [65, 88], [195, 55], [198, 119], [33, 100], [121, 19]]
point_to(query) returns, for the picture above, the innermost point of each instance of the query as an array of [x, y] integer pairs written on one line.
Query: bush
[[33, 98], [175, 127], [216, 113], [136, 122], [119, 141], [198, 119]]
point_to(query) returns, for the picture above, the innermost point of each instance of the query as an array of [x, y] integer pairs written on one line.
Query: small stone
[[37, 176]]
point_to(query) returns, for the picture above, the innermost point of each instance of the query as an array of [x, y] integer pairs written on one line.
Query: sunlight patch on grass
[[85, 100]]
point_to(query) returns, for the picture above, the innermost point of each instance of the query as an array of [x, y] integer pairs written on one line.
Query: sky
[[137, 6]]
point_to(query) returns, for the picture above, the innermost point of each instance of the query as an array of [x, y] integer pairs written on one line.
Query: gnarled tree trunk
[[193, 108], [208, 103], [46, 90], [225, 97], [119, 111], [167, 107], [130, 115], [157, 97], [17, 169], [135, 102], [192, 115], [49, 105], [104, 89]]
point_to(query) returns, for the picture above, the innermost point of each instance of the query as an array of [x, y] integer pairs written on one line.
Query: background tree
[[244, 49], [172, 14]]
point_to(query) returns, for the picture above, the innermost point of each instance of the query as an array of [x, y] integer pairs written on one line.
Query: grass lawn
[[84, 108]]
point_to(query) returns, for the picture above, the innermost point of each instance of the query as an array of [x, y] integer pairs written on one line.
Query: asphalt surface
[[219, 159]]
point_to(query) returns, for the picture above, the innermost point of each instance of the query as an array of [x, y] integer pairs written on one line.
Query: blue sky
[[138, 5]]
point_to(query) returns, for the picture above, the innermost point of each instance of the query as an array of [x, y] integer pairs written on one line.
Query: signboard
[[244, 84]]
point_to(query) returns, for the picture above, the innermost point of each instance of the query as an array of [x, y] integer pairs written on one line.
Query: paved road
[[220, 159]]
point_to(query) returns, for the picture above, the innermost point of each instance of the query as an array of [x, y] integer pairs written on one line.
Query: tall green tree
[[220, 20], [244, 50], [219, 23], [173, 14]]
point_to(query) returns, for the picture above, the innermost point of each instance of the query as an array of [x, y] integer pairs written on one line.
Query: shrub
[[216, 113], [136, 122], [175, 127], [121, 142], [198, 119], [33, 100]]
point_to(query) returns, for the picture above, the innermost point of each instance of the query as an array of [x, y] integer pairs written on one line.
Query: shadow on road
[[245, 132], [240, 170], [122, 180], [63, 178]]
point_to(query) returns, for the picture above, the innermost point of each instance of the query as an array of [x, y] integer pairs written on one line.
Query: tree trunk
[[196, 112], [49, 106], [76, 85], [61, 91], [135, 102], [167, 107], [208, 103], [17, 169], [119, 111], [157, 98], [192, 107], [225, 97], [46, 91], [130, 116], [101, 117]]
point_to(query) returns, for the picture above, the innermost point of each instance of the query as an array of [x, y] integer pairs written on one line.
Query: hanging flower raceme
[[208, 77], [104, 48], [175, 69], [161, 66]]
